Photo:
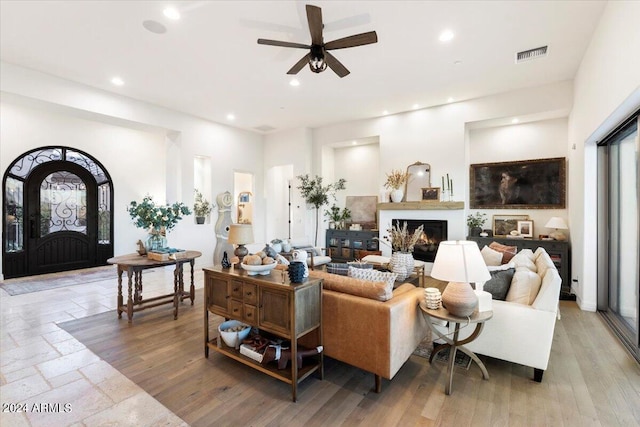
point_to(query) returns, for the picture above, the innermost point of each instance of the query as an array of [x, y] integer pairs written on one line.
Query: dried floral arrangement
[[396, 179], [400, 239]]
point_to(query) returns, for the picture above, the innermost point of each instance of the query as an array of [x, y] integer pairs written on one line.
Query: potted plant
[[475, 223], [317, 194], [395, 180], [157, 219], [201, 207], [402, 243]]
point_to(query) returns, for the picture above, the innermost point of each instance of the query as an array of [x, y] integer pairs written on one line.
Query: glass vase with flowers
[[157, 219]]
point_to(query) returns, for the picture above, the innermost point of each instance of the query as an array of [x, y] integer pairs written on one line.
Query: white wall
[[438, 135], [356, 164], [524, 141], [606, 88], [184, 137]]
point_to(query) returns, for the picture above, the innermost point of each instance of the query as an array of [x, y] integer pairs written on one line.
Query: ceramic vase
[[402, 264], [225, 261], [296, 272], [396, 195], [459, 299], [200, 220]]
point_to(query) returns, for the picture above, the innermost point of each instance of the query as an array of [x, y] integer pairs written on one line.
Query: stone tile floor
[[48, 378]]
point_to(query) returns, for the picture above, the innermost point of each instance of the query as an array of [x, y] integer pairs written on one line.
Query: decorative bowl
[[262, 269], [233, 338]]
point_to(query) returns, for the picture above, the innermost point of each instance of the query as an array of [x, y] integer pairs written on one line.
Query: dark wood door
[[61, 218]]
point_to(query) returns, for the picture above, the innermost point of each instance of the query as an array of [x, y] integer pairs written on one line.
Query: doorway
[[58, 217]]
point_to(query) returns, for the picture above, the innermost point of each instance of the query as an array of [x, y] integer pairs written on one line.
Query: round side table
[[455, 344]]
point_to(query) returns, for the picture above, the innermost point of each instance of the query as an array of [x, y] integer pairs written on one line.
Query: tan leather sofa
[[373, 335]]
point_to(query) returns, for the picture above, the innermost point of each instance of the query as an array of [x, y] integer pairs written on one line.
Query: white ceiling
[[208, 63]]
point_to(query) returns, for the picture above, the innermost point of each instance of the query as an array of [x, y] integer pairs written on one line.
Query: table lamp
[[459, 262], [557, 223], [240, 235]]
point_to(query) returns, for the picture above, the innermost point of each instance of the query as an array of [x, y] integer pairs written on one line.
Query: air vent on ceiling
[[527, 55], [264, 128]]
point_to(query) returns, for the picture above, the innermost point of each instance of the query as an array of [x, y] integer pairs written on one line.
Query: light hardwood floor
[[160, 372], [590, 381]]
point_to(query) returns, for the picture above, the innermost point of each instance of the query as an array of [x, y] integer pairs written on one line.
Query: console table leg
[[130, 275], [192, 288], [120, 299]]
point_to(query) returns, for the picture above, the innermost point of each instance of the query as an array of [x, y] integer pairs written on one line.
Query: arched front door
[[58, 216], [61, 213]]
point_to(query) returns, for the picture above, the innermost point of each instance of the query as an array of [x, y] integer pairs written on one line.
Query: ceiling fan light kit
[[318, 57]]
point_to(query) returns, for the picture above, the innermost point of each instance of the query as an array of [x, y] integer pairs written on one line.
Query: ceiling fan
[[318, 57]]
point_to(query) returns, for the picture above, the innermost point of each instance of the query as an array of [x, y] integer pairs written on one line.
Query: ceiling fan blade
[[314, 17], [335, 65], [300, 64], [283, 44], [351, 41]]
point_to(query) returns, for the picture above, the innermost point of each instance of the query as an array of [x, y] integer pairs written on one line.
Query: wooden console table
[[272, 304], [133, 264]]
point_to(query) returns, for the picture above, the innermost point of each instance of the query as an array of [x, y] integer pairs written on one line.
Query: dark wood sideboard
[[559, 251], [272, 304], [344, 245]]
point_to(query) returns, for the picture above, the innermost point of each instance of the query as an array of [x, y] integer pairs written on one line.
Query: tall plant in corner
[[316, 194]]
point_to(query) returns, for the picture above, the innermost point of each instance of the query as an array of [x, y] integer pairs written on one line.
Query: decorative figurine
[[141, 249]]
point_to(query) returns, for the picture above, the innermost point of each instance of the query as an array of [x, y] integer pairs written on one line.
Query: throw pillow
[[490, 256], [524, 258], [374, 276], [338, 268], [343, 269], [498, 285], [524, 287], [508, 252], [358, 264], [379, 291]]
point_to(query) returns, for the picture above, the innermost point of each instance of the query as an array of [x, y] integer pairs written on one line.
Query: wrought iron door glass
[[63, 204]]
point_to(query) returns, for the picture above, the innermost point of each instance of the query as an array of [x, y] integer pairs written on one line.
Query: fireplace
[[434, 232]]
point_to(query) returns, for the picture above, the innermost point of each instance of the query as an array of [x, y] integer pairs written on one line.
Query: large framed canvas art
[[527, 184]]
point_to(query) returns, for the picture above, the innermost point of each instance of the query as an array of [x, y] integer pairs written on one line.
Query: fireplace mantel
[[419, 206]]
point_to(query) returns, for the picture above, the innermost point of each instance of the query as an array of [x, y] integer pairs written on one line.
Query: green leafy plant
[[148, 214], [201, 206], [337, 215], [477, 220], [315, 193]]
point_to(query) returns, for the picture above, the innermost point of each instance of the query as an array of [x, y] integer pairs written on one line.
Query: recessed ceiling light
[[355, 143], [416, 106], [171, 13], [446, 35], [515, 120], [449, 99], [457, 62], [385, 112], [294, 82], [231, 117], [117, 81]]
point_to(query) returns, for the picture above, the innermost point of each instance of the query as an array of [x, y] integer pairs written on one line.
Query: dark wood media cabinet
[[272, 304]]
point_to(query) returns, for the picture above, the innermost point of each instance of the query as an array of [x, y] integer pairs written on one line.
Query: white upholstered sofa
[[518, 332]]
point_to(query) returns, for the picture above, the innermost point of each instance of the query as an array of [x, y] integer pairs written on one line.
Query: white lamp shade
[[240, 234], [557, 222], [460, 261]]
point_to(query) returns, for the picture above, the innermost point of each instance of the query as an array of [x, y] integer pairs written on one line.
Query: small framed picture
[[431, 194], [525, 228], [505, 224]]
